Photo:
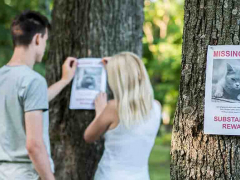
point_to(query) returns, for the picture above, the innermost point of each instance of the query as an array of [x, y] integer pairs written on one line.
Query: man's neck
[[22, 56]]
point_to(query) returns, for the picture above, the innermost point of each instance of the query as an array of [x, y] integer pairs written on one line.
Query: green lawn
[[159, 161]]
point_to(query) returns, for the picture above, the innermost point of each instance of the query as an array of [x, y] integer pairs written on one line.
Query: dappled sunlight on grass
[[159, 161]]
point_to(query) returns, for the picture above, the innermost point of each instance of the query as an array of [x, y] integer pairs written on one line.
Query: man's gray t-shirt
[[21, 90]]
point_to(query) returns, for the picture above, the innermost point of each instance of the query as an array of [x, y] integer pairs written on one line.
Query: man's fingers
[[71, 61], [71, 58], [75, 63]]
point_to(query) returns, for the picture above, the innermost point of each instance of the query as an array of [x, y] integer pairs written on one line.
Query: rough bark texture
[[85, 28], [195, 155]]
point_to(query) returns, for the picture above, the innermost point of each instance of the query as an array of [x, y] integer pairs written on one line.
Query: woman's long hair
[[129, 81]]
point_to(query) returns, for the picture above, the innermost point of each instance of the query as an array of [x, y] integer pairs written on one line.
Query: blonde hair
[[131, 87]]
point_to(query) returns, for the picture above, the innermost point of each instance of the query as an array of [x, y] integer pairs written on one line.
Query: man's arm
[[55, 89], [35, 144], [68, 71]]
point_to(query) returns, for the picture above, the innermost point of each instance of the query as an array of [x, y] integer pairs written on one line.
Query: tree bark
[[195, 155], [85, 28]]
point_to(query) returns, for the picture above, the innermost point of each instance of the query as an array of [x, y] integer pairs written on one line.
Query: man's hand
[[68, 69]]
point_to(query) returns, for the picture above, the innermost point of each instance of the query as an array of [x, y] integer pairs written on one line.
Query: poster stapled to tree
[[90, 79], [222, 91]]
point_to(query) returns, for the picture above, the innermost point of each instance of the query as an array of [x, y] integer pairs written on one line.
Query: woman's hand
[[100, 103], [105, 60]]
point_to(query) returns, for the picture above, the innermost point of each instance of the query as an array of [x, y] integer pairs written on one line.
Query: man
[[24, 138]]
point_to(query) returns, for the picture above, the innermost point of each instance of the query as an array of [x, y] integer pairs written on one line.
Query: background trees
[[162, 51], [195, 155]]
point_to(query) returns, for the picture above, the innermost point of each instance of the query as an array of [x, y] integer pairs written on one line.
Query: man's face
[[41, 46]]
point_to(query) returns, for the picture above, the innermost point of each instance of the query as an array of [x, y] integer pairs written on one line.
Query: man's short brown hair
[[26, 25]]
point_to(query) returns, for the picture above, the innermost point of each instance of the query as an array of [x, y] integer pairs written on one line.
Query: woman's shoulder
[[157, 108], [113, 112], [158, 103]]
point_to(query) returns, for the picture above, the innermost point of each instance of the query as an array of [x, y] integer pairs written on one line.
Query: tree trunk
[[85, 28], [195, 155]]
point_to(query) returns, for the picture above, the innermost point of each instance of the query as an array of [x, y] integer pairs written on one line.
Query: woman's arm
[[106, 114]]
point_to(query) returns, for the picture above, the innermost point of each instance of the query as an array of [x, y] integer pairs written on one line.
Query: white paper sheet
[[222, 91], [90, 79]]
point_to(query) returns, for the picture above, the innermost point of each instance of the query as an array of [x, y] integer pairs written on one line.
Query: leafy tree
[[162, 49]]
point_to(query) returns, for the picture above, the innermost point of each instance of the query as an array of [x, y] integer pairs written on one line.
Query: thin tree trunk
[[85, 28], [195, 155]]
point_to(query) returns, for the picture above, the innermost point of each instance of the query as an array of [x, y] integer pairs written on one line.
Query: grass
[[159, 161]]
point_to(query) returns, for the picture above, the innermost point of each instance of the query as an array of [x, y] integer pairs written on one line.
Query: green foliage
[[162, 49]]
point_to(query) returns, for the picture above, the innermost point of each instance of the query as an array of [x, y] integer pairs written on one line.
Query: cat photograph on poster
[[88, 78], [226, 80]]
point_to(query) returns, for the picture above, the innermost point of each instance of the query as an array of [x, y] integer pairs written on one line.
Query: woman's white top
[[127, 151]]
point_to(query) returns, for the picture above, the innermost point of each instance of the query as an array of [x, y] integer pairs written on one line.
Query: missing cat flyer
[[90, 79], [222, 90]]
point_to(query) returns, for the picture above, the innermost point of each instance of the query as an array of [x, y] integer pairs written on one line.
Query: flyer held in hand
[[90, 79]]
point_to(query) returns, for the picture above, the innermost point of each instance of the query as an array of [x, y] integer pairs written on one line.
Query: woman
[[129, 122]]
